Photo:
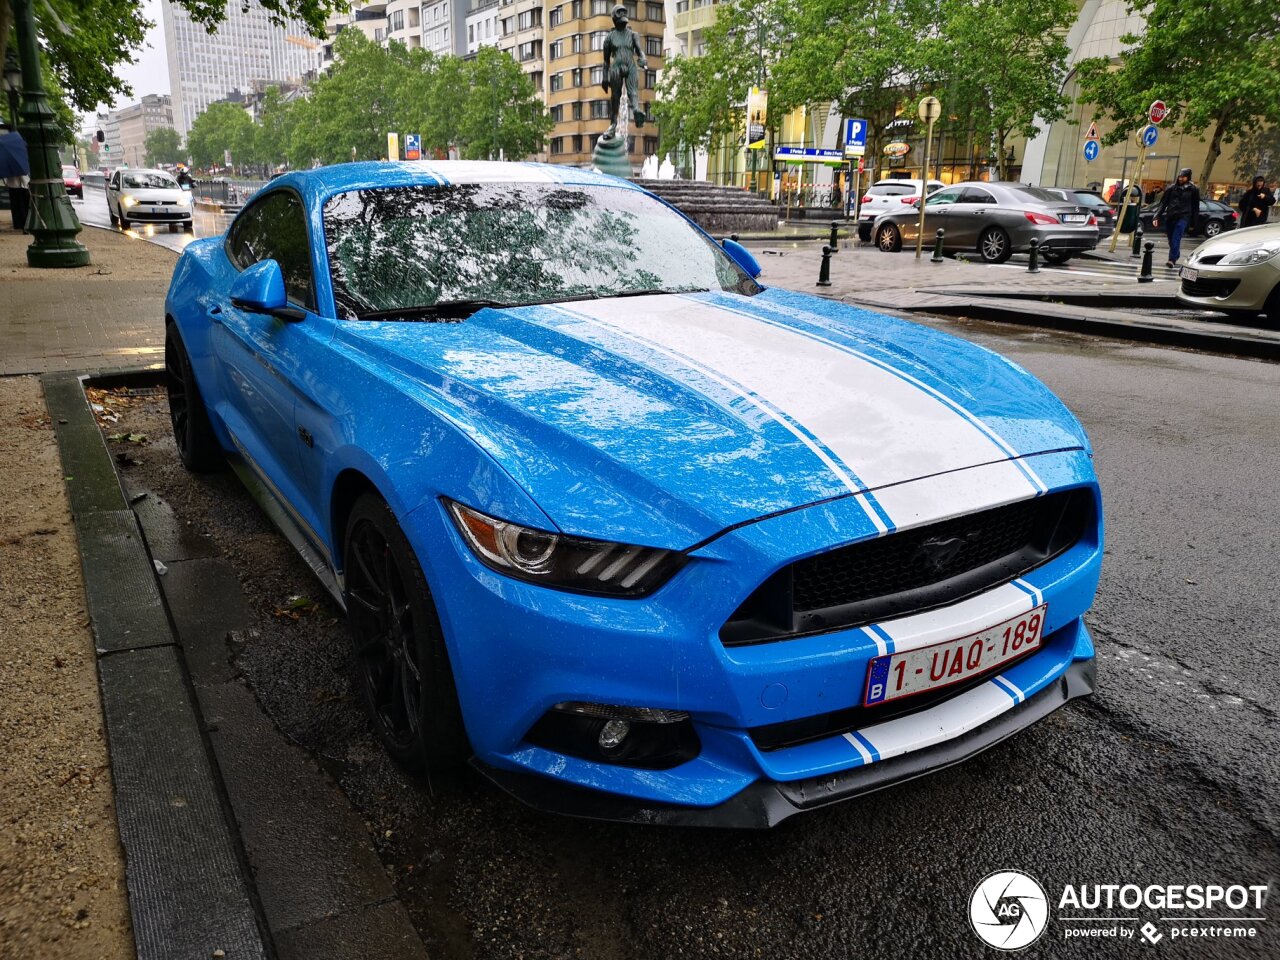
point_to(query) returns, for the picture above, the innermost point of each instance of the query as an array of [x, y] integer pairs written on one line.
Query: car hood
[[664, 420], [1228, 243]]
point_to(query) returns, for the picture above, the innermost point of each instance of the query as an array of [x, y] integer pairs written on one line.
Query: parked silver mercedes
[[995, 220]]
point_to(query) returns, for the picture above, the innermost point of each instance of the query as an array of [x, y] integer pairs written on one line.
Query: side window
[[976, 195], [275, 228], [943, 198]]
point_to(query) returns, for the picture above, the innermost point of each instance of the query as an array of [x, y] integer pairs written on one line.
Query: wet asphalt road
[[1167, 775], [92, 209]]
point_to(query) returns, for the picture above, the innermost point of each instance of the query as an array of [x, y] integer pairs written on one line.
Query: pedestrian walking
[[1179, 208], [15, 171], [1256, 202]]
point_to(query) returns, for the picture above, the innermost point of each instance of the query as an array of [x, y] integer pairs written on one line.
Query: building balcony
[[699, 18]]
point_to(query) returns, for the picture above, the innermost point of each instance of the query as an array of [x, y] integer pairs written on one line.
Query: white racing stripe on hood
[[866, 501], [882, 427]]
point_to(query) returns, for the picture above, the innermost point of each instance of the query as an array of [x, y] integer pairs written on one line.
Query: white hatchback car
[[889, 196], [147, 196], [1238, 272]]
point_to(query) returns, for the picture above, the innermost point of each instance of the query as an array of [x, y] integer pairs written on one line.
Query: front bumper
[[1231, 288], [518, 649], [176, 215], [765, 803]]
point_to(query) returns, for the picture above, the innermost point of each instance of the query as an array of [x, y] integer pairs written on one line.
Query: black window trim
[[306, 224]]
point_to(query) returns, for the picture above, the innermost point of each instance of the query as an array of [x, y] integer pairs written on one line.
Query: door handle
[[215, 313]]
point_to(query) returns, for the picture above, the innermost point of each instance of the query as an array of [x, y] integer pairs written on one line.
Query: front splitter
[[767, 803]]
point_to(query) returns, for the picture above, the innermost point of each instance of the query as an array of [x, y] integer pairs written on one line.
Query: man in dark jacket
[[1255, 203], [1179, 208]]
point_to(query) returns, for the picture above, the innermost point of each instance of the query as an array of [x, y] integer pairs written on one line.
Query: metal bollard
[[937, 247], [824, 272], [1145, 276], [835, 239], [1137, 240], [1035, 256]]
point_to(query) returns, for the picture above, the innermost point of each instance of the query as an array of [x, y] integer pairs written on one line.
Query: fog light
[[613, 733], [646, 737]]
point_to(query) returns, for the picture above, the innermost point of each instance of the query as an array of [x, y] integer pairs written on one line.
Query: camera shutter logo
[[1008, 910]]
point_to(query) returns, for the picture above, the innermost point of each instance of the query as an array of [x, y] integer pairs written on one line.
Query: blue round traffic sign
[[1150, 135], [1091, 150]]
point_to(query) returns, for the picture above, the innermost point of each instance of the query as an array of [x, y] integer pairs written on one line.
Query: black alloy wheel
[[399, 647], [192, 433], [889, 238], [994, 245]]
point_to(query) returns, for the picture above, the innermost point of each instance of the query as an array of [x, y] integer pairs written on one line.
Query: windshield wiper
[[655, 293], [451, 309]]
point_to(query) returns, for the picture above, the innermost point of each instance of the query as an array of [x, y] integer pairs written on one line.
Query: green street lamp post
[[52, 222]]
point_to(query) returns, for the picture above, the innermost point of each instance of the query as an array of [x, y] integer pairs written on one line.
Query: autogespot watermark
[[1010, 910]]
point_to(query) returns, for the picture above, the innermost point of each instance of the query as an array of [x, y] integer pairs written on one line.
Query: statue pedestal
[[610, 157]]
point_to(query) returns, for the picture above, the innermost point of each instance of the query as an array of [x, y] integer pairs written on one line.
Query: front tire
[[889, 238], [994, 245], [399, 647], [197, 444]]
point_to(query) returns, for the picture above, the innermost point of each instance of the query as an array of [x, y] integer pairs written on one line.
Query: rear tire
[[399, 647], [994, 245], [1213, 228], [192, 433], [889, 238], [1056, 256]]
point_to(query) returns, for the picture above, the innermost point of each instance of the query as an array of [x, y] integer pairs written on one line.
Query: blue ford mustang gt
[[640, 537]]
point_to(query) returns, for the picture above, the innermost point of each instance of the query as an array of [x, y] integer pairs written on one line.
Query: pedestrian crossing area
[[1111, 269]]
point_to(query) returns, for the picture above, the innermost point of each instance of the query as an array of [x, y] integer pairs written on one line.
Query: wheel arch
[[348, 486]]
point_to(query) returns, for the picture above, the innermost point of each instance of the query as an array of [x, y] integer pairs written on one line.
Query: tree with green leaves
[[222, 126], [353, 106], [503, 115], [1258, 153], [163, 146], [449, 89], [1000, 66], [276, 123], [868, 58], [1216, 64], [702, 100]]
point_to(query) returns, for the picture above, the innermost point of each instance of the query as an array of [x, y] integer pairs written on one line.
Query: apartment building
[[482, 25], [574, 65], [139, 119], [523, 36]]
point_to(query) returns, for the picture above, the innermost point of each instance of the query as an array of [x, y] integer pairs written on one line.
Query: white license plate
[[897, 675], [1189, 274], [1074, 218]]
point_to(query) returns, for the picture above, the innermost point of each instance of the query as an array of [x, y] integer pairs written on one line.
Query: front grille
[[1210, 260], [1209, 287], [911, 571]]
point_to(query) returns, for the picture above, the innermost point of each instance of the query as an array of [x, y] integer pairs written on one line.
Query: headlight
[[184, 200], [567, 563], [128, 201], [1242, 258]]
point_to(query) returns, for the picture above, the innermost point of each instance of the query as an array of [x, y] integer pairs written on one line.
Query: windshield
[[70, 172], [150, 181], [1088, 199], [401, 249], [1036, 193]]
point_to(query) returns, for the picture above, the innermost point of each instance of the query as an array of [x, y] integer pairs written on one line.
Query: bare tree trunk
[[6, 24], [1002, 164], [1215, 151]]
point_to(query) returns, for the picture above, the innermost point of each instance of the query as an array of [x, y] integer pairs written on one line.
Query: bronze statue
[[623, 60]]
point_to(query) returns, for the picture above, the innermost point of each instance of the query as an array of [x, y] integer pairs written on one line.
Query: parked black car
[[1104, 211], [1215, 218]]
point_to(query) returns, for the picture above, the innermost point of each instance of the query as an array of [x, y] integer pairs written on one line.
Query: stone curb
[[184, 869]]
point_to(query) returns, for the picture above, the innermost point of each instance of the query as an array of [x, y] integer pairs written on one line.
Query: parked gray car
[[995, 219]]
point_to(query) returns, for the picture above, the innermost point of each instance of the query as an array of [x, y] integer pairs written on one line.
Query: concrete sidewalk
[[109, 314]]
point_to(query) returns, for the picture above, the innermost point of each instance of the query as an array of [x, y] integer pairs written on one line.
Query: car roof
[[324, 182]]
